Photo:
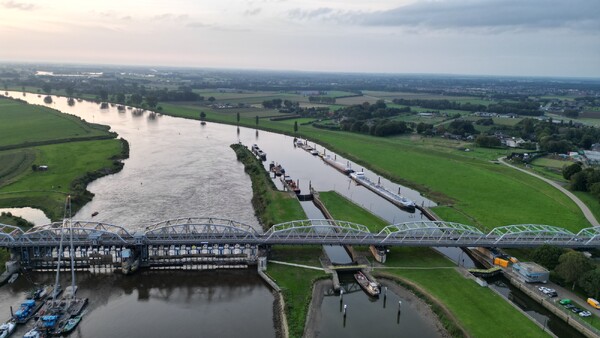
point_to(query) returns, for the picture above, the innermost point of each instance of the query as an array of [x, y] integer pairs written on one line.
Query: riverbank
[[270, 205], [464, 308], [471, 188], [53, 155]]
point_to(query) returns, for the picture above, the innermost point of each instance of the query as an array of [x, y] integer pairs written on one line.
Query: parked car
[[569, 306], [564, 301], [585, 313], [576, 310], [552, 294]]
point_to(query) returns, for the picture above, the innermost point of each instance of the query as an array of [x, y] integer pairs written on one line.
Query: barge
[[370, 287], [396, 199], [344, 169]]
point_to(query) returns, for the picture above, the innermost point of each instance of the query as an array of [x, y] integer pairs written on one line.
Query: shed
[[531, 272]]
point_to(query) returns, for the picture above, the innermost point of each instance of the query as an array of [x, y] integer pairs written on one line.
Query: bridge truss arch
[[589, 236], [529, 234], [428, 232], [9, 234], [195, 230], [322, 231], [84, 233]]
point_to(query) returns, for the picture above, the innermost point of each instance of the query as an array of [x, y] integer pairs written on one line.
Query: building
[[531, 272]]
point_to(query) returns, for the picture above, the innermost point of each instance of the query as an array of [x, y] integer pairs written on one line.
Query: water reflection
[[157, 303], [390, 315]]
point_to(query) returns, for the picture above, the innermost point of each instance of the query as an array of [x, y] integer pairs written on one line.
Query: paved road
[[586, 211]]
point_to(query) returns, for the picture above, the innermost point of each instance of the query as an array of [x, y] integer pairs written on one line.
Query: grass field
[[47, 190], [14, 164], [22, 124], [296, 283], [343, 209], [486, 193], [475, 308]]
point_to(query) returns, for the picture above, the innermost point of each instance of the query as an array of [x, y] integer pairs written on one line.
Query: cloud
[[18, 5], [490, 14], [252, 12], [170, 16], [197, 24], [319, 13]]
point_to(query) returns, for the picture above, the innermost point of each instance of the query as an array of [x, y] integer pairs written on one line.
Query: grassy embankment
[[470, 187], [272, 207], [76, 153], [479, 311]]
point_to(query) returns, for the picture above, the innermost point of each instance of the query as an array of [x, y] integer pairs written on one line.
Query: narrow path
[[297, 265], [586, 211]]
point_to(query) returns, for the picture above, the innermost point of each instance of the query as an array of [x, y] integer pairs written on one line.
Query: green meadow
[[69, 146]]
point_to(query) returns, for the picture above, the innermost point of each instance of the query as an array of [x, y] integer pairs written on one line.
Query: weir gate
[[204, 243]]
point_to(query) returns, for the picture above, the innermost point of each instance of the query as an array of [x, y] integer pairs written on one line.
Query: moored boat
[[71, 324], [33, 333], [371, 288], [396, 199], [7, 328]]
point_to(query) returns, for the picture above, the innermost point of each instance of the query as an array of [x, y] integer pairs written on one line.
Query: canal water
[[161, 303], [371, 317], [179, 168]]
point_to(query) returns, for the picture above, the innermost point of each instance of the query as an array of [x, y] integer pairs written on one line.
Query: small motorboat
[[95, 213], [33, 333], [7, 328], [71, 324]]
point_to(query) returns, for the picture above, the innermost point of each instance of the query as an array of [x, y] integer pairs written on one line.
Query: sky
[[473, 37]]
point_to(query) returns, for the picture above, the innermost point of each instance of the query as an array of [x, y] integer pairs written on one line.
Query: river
[[180, 168]]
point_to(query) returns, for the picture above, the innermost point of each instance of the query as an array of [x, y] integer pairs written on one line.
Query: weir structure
[[196, 242]]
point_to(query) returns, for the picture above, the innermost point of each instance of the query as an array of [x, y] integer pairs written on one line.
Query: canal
[[179, 168]]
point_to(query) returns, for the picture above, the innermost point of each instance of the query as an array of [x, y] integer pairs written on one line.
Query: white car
[[585, 313]]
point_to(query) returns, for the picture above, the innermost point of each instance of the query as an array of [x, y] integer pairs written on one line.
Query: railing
[[190, 231]]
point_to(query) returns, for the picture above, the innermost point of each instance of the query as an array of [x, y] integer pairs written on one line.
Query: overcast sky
[[488, 37]]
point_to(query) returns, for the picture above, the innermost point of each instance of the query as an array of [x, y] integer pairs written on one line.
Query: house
[[514, 142]]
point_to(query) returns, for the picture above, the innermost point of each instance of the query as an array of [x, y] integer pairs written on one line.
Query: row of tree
[[322, 99], [523, 107]]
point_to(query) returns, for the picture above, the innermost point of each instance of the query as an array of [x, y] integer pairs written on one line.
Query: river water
[[179, 168]]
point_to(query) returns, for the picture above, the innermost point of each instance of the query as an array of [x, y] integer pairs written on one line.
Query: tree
[[571, 266], [202, 116], [69, 90], [569, 171], [47, 88], [590, 282], [120, 98], [211, 99], [152, 101], [103, 95], [71, 101], [48, 99], [579, 181], [136, 99], [547, 255], [295, 126], [257, 120], [238, 117]]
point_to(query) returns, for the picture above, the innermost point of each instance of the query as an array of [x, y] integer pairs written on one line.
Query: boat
[[7, 328], [396, 199], [371, 288], [289, 183], [258, 152], [95, 213], [71, 324], [314, 152], [278, 170], [345, 169], [26, 310], [33, 333]]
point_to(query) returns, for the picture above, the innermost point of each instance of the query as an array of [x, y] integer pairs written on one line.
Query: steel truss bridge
[[218, 232]]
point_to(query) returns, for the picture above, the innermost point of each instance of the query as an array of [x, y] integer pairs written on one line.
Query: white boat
[[33, 333], [7, 329], [396, 199]]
